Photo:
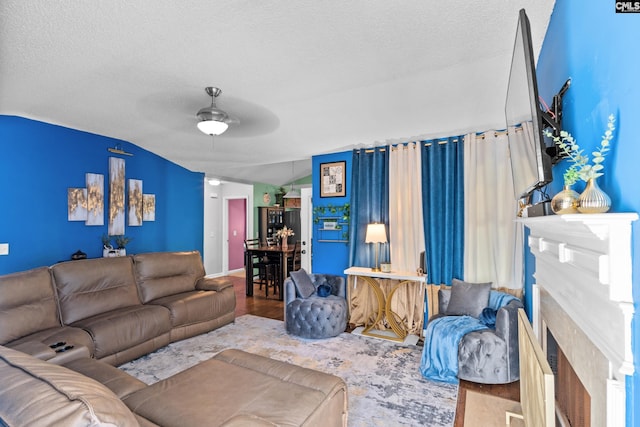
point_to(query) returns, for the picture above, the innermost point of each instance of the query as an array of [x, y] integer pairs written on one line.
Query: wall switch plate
[[4, 249]]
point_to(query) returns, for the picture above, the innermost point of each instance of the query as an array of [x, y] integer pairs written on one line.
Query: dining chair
[[294, 263], [268, 267]]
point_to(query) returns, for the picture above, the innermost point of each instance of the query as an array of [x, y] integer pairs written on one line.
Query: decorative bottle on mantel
[[593, 199]]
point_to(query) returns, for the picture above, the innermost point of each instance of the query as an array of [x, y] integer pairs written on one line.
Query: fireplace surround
[[582, 295]]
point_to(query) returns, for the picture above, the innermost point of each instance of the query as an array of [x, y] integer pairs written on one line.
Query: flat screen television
[[530, 163]]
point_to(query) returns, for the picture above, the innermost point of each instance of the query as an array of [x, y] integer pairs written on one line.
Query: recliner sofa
[[62, 328], [117, 308]]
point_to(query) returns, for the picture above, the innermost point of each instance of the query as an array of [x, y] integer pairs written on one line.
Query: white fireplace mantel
[[584, 262], [583, 295]]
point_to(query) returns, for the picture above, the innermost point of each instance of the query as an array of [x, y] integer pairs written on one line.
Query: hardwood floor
[[271, 307], [258, 304]]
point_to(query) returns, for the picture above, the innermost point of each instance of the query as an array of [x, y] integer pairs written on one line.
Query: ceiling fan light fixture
[[213, 121], [212, 127]]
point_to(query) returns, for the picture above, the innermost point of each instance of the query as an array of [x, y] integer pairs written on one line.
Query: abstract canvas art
[[116, 196], [95, 199], [77, 204], [149, 207], [135, 202]]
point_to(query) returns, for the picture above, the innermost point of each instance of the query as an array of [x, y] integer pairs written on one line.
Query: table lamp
[[376, 234]]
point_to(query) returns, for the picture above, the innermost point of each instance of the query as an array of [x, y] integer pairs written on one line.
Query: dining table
[[273, 251]]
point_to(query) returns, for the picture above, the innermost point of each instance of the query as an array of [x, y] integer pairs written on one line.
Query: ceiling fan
[[214, 121]]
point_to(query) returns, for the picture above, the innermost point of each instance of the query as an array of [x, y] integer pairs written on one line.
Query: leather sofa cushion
[[196, 306], [93, 286], [64, 398], [116, 380], [249, 390], [126, 327], [27, 304], [159, 274]]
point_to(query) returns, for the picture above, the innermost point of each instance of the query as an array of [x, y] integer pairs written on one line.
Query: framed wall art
[[116, 196], [149, 207], [135, 202], [77, 204], [95, 199], [333, 179]]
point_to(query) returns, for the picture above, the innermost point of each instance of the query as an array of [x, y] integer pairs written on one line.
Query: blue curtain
[[443, 208], [369, 202]]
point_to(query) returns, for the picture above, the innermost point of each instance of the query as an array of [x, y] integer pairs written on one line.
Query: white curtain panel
[[493, 239], [406, 229]]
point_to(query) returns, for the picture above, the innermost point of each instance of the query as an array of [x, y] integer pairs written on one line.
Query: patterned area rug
[[383, 379]]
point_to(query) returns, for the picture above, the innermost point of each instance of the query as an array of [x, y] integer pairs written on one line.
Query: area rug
[[483, 410], [384, 384]]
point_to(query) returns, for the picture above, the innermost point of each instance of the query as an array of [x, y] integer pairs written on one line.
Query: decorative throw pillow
[[302, 281], [468, 298], [324, 290], [488, 317]]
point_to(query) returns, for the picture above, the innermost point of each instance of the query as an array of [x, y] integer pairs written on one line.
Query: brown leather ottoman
[[239, 388]]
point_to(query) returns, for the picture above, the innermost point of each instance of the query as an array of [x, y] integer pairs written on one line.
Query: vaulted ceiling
[[302, 77]]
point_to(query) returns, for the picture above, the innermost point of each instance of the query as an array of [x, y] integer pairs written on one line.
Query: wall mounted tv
[[530, 163]]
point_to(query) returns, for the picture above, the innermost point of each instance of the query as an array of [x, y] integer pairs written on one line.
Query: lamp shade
[[376, 233], [292, 194]]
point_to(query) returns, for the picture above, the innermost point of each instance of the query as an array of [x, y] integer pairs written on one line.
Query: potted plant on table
[[121, 243], [107, 247], [592, 199], [283, 234]]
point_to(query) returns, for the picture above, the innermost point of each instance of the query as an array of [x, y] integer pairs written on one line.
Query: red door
[[237, 232]]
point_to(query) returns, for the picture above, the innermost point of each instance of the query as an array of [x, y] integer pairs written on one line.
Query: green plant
[[581, 167], [344, 211], [106, 241], [122, 241]]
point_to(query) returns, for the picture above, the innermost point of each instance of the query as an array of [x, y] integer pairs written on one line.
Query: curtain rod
[[517, 128]]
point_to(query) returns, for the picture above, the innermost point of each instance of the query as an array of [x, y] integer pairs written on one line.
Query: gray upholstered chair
[[315, 305], [489, 356]]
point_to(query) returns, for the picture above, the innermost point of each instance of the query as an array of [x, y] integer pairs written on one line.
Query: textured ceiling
[[303, 78]]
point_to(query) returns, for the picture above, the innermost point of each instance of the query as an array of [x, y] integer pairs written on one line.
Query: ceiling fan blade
[[232, 120]]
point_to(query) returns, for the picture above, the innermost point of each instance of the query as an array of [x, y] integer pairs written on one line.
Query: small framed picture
[[333, 179]]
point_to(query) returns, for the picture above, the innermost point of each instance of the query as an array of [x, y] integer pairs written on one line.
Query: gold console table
[[398, 331]]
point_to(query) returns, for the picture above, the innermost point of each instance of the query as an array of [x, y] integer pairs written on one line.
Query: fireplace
[[582, 307], [572, 398]]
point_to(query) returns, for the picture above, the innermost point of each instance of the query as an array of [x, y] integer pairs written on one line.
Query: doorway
[[236, 232], [306, 227]]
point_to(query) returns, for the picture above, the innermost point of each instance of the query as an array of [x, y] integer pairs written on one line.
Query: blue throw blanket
[[440, 352]]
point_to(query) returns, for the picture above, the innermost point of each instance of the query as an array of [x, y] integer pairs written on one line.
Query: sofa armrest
[[507, 323], [36, 349], [289, 291], [213, 284]]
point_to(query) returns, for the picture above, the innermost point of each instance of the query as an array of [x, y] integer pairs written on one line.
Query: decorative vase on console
[[592, 199]]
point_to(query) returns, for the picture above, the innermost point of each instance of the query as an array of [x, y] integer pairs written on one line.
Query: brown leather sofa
[[114, 309], [234, 388]]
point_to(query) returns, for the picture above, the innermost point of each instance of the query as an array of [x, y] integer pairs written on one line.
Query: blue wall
[[330, 258], [39, 161], [598, 49]]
